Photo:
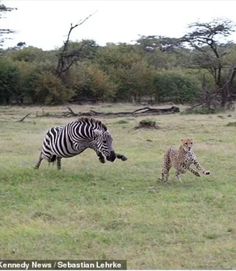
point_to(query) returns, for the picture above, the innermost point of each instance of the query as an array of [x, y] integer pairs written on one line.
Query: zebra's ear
[[97, 133]]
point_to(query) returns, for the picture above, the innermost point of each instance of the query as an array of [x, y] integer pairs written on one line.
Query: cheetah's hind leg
[[164, 176], [178, 176]]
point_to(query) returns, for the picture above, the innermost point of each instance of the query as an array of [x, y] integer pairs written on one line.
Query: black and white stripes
[[73, 138]]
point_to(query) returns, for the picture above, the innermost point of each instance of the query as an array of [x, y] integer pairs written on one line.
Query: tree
[[43, 87], [165, 44], [9, 82], [4, 31], [90, 82], [209, 40], [128, 69], [178, 87], [163, 52], [136, 81], [66, 59]]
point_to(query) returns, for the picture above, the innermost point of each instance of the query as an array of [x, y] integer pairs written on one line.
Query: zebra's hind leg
[[39, 161], [58, 163]]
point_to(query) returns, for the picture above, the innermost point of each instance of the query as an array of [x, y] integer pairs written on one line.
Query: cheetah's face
[[187, 144]]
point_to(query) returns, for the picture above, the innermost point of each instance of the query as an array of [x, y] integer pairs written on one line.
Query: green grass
[[120, 210]]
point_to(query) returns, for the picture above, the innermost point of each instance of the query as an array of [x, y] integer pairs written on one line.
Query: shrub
[[46, 88], [90, 82], [9, 82], [176, 87], [147, 124]]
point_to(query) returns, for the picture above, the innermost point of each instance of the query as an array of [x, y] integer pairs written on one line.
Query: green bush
[[9, 82], [176, 87], [90, 82], [46, 88]]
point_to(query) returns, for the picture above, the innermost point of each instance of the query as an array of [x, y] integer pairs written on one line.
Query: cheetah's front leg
[[200, 168], [194, 172]]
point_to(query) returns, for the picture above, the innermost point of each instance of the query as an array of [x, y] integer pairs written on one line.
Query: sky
[[45, 23]]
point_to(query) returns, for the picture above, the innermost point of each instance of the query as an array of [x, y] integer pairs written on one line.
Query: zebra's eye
[[104, 141]]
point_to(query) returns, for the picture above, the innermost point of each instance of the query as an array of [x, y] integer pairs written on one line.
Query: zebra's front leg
[[101, 157], [121, 157], [200, 168], [58, 163], [39, 161]]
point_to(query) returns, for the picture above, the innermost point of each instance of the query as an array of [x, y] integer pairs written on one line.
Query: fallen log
[[145, 111]]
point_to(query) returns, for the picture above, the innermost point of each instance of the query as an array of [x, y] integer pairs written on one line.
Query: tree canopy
[[199, 67], [209, 40]]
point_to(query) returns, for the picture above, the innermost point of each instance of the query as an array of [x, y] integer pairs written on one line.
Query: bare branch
[[22, 119], [65, 62]]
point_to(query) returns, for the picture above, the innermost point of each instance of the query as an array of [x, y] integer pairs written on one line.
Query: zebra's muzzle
[[111, 157]]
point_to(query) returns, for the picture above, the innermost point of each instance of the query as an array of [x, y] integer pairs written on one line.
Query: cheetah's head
[[187, 144]]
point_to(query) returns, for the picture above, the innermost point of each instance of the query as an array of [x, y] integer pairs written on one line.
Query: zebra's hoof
[[102, 160], [207, 172], [123, 158]]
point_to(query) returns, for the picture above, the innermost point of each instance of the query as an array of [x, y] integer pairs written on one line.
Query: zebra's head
[[103, 142]]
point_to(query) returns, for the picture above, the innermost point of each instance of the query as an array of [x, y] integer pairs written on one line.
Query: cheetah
[[181, 160]]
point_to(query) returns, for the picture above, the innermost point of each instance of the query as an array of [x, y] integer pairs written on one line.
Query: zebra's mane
[[94, 121]]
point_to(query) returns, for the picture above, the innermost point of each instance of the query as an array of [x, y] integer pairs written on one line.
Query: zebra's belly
[[65, 154], [65, 149]]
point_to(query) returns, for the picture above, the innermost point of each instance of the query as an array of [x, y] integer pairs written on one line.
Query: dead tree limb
[[145, 111], [22, 119], [72, 112], [64, 62]]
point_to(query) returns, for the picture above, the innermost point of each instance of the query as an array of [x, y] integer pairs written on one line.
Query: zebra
[[75, 137]]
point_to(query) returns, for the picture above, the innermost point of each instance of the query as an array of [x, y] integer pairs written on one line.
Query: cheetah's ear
[[96, 133]]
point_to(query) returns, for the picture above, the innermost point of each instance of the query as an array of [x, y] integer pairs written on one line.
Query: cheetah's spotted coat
[[182, 160]]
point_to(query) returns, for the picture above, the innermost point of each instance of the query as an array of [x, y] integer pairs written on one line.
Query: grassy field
[[120, 210]]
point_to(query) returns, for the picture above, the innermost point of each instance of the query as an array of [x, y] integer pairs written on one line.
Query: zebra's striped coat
[[75, 137]]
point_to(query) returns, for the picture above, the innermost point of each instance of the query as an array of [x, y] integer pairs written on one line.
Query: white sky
[[45, 23]]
